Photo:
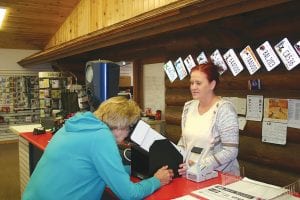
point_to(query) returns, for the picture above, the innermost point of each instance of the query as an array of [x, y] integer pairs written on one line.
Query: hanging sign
[[170, 71], [189, 63], [179, 66], [268, 56], [297, 47], [233, 62], [287, 54], [201, 59], [217, 59], [250, 60]]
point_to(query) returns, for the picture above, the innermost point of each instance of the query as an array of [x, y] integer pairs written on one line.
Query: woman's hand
[[164, 175], [182, 169]]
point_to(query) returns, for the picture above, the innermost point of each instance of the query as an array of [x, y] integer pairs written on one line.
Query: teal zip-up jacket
[[81, 160]]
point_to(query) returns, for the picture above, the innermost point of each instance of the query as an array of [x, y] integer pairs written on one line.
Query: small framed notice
[[250, 60], [287, 54], [201, 59], [233, 62], [179, 66], [189, 63], [217, 59], [170, 71], [268, 56]]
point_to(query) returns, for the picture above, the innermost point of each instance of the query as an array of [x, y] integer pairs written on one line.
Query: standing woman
[[209, 122]]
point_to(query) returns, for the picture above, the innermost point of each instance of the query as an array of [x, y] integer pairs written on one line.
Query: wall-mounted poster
[[287, 54], [170, 71], [189, 63], [179, 66], [250, 60], [217, 59], [268, 56], [233, 62]]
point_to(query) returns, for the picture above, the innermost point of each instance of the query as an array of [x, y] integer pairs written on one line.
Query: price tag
[[233, 62], [287, 54], [170, 71], [217, 59], [250, 60]]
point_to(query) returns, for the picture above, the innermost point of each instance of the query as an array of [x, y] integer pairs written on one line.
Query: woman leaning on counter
[[83, 158], [209, 123]]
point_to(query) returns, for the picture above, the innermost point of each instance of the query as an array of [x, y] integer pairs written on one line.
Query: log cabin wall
[[271, 163]]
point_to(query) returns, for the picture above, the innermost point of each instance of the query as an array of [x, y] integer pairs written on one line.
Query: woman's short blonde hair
[[118, 112]]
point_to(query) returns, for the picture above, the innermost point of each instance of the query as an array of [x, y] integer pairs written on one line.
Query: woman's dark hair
[[211, 71]]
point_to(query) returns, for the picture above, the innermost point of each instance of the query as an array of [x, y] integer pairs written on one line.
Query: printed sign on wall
[[201, 59], [217, 59], [189, 63], [287, 54], [268, 56], [250, 60], [179, 66], [233, 62], [170, 71]]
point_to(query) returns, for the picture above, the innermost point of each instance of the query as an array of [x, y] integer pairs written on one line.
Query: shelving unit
[[18, 103], [51, 86]]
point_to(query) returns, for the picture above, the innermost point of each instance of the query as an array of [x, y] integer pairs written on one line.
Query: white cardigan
[[223, 151]]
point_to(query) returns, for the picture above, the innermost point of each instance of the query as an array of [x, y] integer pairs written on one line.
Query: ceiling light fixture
[[2, 14]]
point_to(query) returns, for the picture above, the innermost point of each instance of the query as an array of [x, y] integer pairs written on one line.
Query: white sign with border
[[268, 56], [233, 62], [287, 54], [250, 60]]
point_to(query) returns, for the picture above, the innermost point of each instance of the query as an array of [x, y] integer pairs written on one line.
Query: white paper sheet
[[274, 132], [242, 122], [294, 113], [239, 104], [144, 135], [254, 107], [244, 189]]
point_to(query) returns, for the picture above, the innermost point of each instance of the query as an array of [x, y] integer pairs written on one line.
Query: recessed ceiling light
[[2, 14]]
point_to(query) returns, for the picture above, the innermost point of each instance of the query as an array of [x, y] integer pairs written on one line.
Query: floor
[[9, 171]]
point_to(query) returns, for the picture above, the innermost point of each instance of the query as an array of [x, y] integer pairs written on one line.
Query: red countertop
[[178, 187], [40, 141]]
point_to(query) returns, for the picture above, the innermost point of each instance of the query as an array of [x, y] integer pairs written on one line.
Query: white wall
[[154, 87], [9, 65]]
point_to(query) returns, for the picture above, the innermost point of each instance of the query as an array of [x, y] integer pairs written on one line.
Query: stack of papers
[[244, 189]]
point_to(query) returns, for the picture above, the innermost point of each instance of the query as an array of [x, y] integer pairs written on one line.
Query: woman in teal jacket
[[83, 158]]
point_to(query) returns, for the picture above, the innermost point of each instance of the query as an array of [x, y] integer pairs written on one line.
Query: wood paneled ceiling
[[30, 24]]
